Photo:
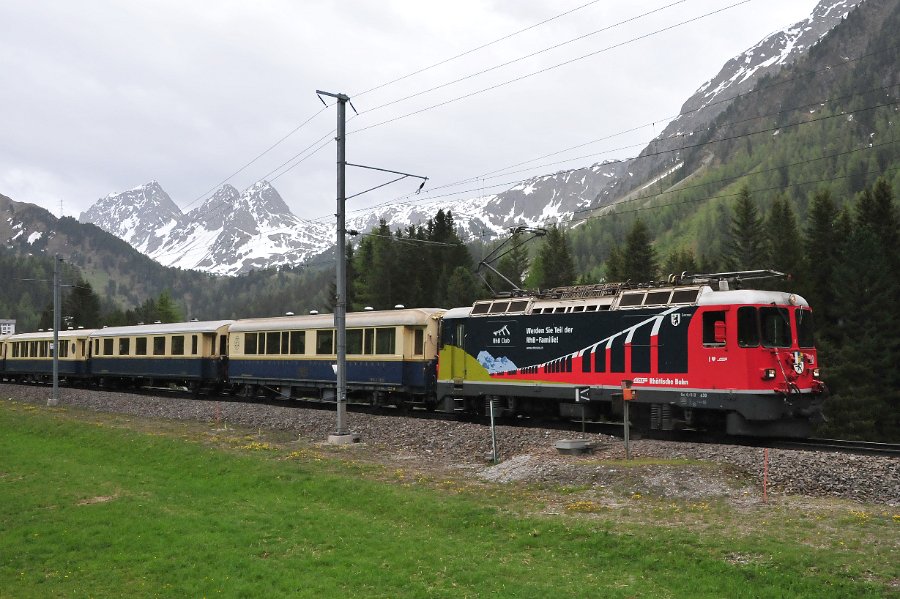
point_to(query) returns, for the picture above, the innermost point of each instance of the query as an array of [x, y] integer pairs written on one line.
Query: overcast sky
[[100, 96]]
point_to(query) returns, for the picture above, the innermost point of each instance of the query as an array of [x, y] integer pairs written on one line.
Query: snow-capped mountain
[[230, 234], [737, 77], [139, 215]]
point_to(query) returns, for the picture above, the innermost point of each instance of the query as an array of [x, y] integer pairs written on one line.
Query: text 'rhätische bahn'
[[697, 352]]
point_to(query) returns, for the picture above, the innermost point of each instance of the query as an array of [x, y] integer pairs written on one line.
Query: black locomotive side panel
[[507, 343]]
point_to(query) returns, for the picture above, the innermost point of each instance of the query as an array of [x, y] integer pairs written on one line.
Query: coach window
[[273, 342], [177, 345], [194, 345], [325, 342], [748, 327], [775, 326], [124, 346], [419, 342], [108, 346], [385, 341], [285, 343], [140, 346], [712, 331], [298, 342], [354, 341], [250, 343], [159, 346]]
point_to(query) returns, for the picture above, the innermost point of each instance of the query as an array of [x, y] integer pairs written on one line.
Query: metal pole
[[627, 440], [340, 307], [493, 435], [54, 397]]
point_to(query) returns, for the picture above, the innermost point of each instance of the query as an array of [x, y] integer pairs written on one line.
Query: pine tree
[[747, 249], [784, 239], [463, 288], [554, 266], [166, 309], [514, 263], [639, 258], [615, 266], [681, 261]]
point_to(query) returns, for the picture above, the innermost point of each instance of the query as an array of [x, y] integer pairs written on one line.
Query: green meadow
[[97, 505]]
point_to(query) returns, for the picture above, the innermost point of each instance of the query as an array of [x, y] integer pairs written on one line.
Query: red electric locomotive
[[698, 353]]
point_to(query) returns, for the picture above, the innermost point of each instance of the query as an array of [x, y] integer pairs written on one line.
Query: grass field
[[95, 505]]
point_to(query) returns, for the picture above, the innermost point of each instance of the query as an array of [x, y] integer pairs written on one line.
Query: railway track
[[841, 446], [576, 426]]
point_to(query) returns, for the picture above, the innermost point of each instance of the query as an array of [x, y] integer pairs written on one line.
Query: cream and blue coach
[[189, 353], [29, 356], [391, 355]]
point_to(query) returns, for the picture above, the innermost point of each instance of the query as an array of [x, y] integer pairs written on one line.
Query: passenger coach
[[29, 356], [186, 353], [391, 355]]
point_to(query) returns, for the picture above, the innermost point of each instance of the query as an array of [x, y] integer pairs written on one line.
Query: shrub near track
[[90, 509]]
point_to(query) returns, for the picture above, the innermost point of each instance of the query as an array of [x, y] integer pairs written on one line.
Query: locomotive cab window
[[805, 336], [775, 326], [714, 328]]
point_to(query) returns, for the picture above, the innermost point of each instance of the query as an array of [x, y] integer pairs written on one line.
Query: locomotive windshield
[[775, 326], [805, 329]]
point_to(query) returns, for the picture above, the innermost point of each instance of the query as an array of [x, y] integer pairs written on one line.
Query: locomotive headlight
[[815, 373], [768, 374]]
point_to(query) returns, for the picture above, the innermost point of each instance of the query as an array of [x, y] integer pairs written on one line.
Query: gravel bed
[[528, 454]]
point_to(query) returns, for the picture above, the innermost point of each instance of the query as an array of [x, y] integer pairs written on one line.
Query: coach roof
[[381, 318], [174, 328]]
